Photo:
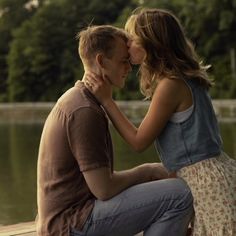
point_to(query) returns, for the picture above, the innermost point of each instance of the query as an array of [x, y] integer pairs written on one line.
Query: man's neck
[[90, 69], [93, 69]]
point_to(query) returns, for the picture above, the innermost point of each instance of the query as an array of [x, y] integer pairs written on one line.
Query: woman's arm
[[162, 106]]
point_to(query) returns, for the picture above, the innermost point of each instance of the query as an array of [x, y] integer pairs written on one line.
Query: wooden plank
[[22, 229]]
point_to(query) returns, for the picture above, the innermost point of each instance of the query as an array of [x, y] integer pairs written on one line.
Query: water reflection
[[18, 154], [18, 158]]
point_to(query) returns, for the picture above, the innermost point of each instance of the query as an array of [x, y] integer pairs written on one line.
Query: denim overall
[[195, 139]]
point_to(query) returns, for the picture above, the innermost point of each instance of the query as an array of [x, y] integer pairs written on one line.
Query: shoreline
[[37, 112]]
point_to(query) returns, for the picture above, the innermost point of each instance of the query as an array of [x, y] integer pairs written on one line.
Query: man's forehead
[[122, 47]]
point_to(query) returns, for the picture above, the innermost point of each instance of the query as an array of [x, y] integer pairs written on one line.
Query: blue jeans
[[160, 208]]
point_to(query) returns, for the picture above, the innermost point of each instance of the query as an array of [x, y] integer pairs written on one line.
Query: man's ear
[[100, 60]]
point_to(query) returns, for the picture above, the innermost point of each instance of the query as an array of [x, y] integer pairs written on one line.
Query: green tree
[[43, 60], [211, 26], [12, 14]]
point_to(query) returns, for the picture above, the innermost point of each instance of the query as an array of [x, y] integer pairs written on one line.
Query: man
[[78, 191]]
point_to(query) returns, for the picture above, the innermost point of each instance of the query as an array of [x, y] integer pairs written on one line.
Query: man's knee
[[181, 192]]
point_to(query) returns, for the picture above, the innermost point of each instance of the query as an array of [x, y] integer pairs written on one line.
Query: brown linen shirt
[[75, 139]]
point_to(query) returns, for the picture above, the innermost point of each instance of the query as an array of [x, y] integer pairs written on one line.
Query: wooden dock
[[23, 229]]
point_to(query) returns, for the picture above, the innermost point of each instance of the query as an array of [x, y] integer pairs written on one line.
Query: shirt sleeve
[[87, 135]]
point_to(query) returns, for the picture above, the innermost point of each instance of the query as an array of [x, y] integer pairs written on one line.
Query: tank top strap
[[191, 83]]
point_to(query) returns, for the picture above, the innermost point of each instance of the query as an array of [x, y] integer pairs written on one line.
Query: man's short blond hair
[[98, 39]]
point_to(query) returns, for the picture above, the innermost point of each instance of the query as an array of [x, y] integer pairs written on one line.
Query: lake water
[[18, 159]]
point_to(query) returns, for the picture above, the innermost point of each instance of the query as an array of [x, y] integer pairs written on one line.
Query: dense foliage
[[38, 50]]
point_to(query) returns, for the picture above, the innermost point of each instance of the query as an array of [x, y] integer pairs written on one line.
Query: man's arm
[[87, 133], [104, 184]]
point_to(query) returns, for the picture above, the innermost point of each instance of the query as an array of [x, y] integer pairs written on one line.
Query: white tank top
[[181, 116]]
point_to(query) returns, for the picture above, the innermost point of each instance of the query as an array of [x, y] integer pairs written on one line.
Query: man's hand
[[158, 171], [153, 171]]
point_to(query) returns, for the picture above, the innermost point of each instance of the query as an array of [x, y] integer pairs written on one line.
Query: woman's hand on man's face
[[99, 86]]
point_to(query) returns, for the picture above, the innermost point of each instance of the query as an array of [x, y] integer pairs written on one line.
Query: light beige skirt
[[213, 185]]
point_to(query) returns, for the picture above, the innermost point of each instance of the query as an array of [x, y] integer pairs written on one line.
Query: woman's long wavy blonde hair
[[169, 53]]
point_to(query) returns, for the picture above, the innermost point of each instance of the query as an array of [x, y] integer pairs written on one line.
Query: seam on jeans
[[135, 208]]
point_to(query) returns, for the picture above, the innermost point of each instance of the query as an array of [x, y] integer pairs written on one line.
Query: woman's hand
[[99, 86]]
